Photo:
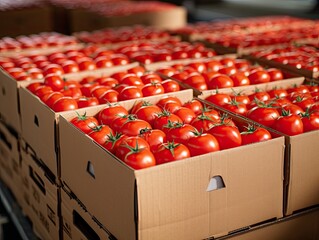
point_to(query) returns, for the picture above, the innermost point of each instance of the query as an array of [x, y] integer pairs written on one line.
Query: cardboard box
[[303, 225], [10, 164], [301, 161], [40, 123], [77, 223], [85, 20], [24, 21], [173, 201], [41, 199]]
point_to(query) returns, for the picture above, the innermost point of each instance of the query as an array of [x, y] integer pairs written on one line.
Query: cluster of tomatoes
[[62, 95], [151, 134], [172, 49], [41, 40], [290, 111], [246, 24], [33, 67], [122, 34], [300, 57], [224, 73]]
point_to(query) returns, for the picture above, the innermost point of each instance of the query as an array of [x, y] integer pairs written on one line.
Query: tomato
[[113, 141], [259, 95], [180, 132], [255, 134], [167, 71], [228, 70], [110, 112], [107, 81], [220, 81], [52, 98], [259, 76], [226, 135], [263, 115], [278, 93], [198, 66], [85, 123], [303, 102], [202, 143], [74, 92], [302, 89], [219, 99], [34, 86], [130, 142], [43, 90], [65, 104], [310, 121], [170, 85], [132, 81], [70, 66], [227, 61], [164, 101], [87, 102], [151, 89], [148, 113], [195, 105], [53, 68], [240, 79], [164, 119], [139, 158], [138, 70], [100, 133], [292, 108], [130, 92], [150, 78], [103, 62], [289, 124], [154, 137], [108, 96], [134, 127], [203, 122], [213, 65], [236, 107], [275, 74], [185, 114], [170, 151], [86, 64], [241, 99]]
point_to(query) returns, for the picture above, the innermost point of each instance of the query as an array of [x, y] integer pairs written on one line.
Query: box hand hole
[[36, 120], [84, 227], [3, 90], [215, 183], [37, 180], [90, 169]]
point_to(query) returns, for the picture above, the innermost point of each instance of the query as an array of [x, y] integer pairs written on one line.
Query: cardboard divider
[[301, 162], [41, 199], [171, 200]]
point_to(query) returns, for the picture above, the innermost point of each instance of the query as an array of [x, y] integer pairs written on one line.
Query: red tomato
[[52, 98], [130, 92], [87, 102], [128, 143], [86, 64], [134, 127], [164, 118], [241, 99], [170, 85], [34, 86], [154, 137], [275, 74], [74, 92], [151, 89], [100, 133], [226, 135], [113, 141], [236, 107], [107, 81], [304, 102], [110, 112], [186, 114], [220, 81], [43, 90], [170, 151], [310, 121], [132, 81], [195, 105], [259, 76], [219, 99], [166, 100], [103, 62], [278, 93], [139, 158], [180, 132], [263, 115], [292, 108], [65, 104], [202, 143], [148, 113], [259, 95], [240, 79], [85, 123], [213, 65], [255, 134], [203, 122], [150, 78], [289, 124]]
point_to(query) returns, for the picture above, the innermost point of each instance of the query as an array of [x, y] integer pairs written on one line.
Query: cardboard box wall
[[40, 123], [171, 201], [41, 199], [10, 162], [302, 159]]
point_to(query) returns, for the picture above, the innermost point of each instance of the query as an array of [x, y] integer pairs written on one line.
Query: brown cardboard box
[[85, 20], [41, 199], [77, 223], [10, 162], [173, 201], [14, 22], [302, 160], [40, 123], [304, 225]]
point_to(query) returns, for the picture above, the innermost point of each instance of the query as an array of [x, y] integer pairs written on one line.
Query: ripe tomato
[[130, 92], [203, 122], [139, 158], [154, 137], [65, 104], [148, 113], [130, 142], [132, 81], [134, 127], [74, 92], [310, 121], [100, 133], [226, 135], [254, 134], [259, 95], [289, 124], [303, 102], [195, 105], [110, 112], [34, 86], [150, 78], [292, 108], [180, 132], [151, 89], [113, 141], [259, 76], [87, 102], [236, 107], [43, 90], [170, 85], [170, 151], [168, 99], [186, 114], [220, 81], [164, 118], [202, 143], [85, 123], [275, 74], [219, 99], [263, 115], [278, 93], [240, 79], [52, 98]]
